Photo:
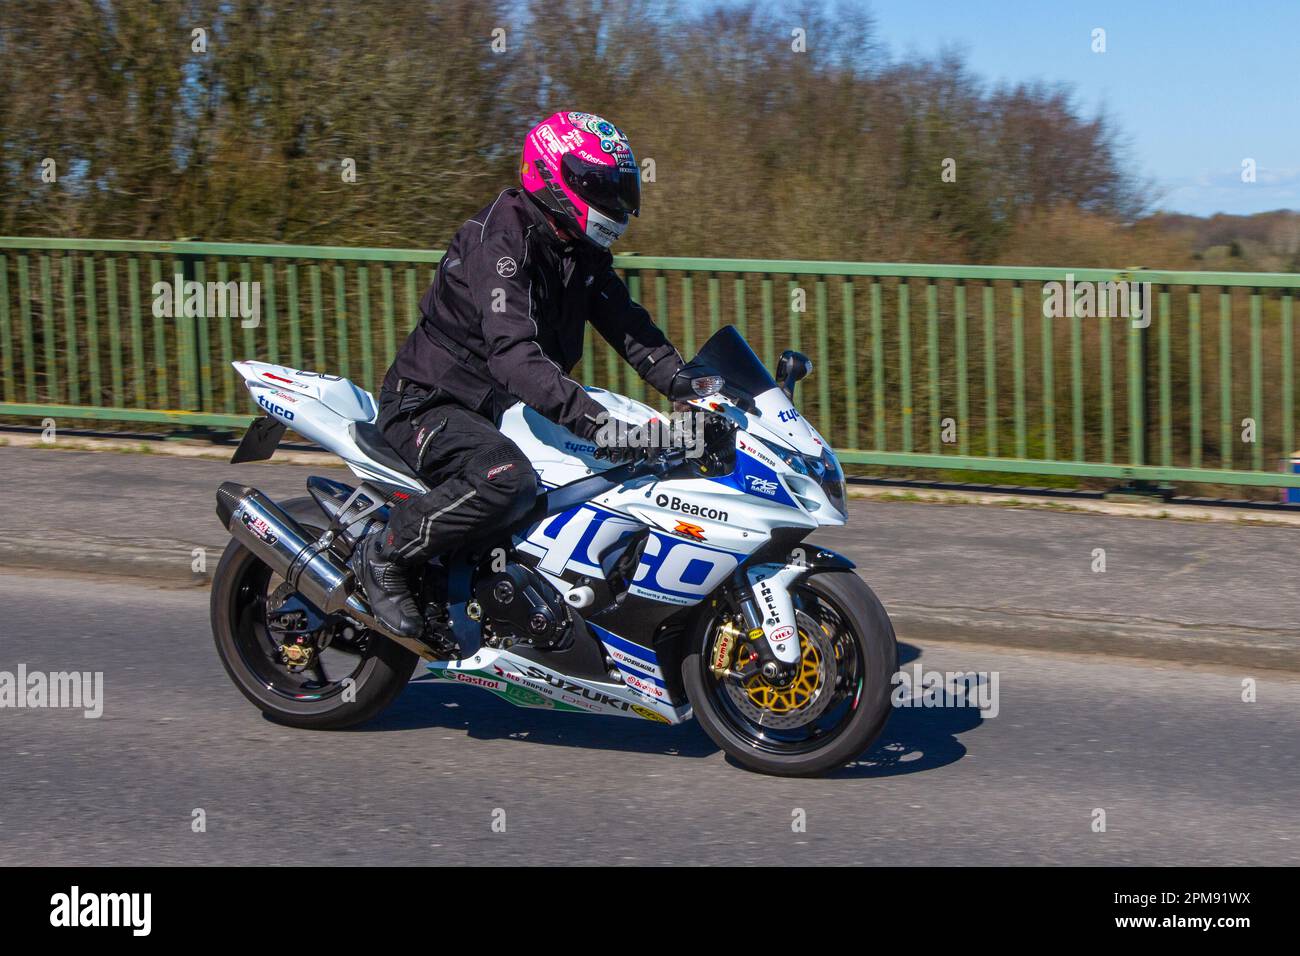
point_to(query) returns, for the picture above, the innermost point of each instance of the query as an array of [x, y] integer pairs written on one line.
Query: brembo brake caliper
[[768, 609]]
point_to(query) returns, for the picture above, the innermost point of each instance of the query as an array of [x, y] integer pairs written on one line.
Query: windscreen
[[729, 353]]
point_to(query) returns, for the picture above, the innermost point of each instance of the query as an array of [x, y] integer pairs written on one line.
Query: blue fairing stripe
[[747, 468], [624, 645]]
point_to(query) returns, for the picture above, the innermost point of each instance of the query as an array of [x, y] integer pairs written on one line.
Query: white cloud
[[1221, 190]]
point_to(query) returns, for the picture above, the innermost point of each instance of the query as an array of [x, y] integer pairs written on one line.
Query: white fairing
[[320, 408], [778, 420], [558, 455], [701, 529]]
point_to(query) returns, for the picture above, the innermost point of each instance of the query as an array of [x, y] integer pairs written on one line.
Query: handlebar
[[666, 462], [658, 465]]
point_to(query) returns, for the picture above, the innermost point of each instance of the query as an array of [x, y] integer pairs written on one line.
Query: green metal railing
[[922, 366]]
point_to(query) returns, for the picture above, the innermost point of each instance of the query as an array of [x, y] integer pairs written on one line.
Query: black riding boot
[[384, 582]]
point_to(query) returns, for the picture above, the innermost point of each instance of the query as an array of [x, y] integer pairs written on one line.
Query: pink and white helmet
[[580, 167]]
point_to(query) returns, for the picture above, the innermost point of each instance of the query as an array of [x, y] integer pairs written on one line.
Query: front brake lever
[[657, 467]]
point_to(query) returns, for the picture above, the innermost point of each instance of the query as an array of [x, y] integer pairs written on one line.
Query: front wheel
[[835, 706]]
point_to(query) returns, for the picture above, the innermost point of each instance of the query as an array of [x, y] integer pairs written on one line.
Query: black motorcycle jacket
[[505, 316]]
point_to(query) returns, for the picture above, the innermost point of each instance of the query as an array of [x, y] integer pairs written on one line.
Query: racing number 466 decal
[[673, 570]]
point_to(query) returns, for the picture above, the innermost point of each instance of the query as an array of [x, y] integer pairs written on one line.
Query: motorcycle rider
[[503, 322]]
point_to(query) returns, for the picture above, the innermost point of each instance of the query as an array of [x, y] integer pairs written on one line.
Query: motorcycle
[[674, 587]]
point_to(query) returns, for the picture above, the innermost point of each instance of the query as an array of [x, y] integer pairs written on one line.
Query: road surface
[[1186, 772]]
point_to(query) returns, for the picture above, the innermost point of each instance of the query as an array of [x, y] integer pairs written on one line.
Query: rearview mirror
[[790, 368]]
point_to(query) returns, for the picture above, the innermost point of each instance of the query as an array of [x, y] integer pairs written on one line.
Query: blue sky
[[1195, 86]]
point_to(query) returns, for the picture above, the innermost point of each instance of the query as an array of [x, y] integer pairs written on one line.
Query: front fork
[[768, 610], [763, 591]]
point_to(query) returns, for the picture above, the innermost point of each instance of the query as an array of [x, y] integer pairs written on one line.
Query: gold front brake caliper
[[725, 641]]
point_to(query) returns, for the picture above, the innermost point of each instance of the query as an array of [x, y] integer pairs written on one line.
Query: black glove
[[622, 453]]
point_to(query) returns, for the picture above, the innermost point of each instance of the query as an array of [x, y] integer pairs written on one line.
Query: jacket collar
[[587, 255]]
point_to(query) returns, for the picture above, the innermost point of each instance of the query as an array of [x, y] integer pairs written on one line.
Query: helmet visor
[[614, 190]]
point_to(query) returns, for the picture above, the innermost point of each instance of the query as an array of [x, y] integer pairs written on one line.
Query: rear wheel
[[830, 712], [300, 666]]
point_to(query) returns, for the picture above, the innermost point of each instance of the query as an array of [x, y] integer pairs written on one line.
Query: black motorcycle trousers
[[479, 480]]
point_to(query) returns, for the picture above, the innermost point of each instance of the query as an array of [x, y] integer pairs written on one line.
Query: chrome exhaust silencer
[[262, 526], [265, 529]]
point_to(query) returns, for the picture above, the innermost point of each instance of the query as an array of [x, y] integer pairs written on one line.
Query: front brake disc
[[806, 697]]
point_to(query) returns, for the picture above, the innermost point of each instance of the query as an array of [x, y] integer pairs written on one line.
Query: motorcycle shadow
[[914, 740], [430, 703]]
